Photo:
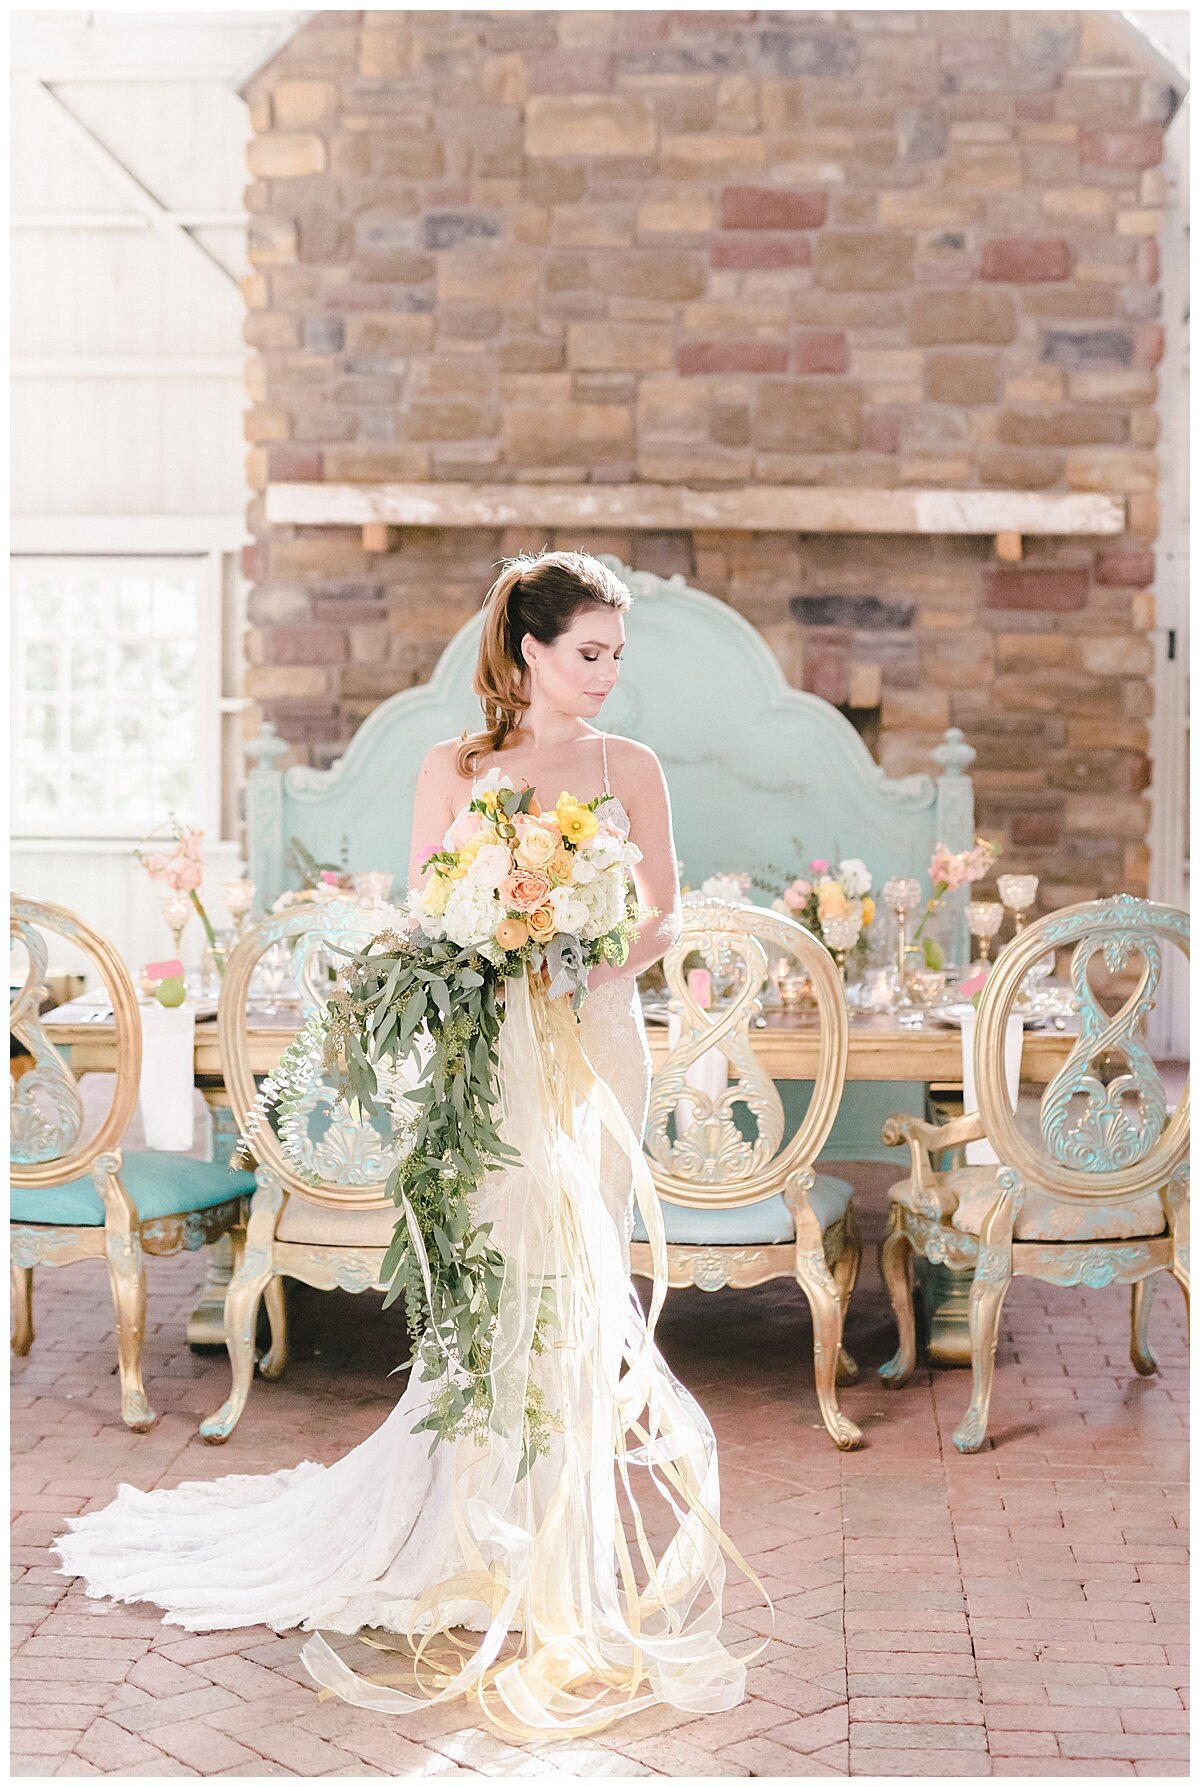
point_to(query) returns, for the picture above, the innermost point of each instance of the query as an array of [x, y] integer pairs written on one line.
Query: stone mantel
[[1006, 514]]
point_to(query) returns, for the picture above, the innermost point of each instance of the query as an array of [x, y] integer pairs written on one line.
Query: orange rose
[[510, 933], [525, 889], [542, 924]]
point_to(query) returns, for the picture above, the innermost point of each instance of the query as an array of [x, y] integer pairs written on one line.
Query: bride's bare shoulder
[[440, 762], [633, 761]]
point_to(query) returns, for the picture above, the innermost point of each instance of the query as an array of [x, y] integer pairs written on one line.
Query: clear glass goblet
[[1018, 893], [984, 918], [238, 897], [841, 934], [176, 909]]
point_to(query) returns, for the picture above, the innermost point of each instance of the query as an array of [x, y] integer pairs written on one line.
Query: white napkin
[[168, 1076], [709, 1074], [982, 1153]]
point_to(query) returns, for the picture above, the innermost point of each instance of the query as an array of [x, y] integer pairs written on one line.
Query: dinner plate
[[952, 1016]]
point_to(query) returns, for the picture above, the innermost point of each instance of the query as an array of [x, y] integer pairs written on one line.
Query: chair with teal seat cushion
[[74, 1195], [159, 1184], [739, 1201], [768, 1223], [1098, 1195]]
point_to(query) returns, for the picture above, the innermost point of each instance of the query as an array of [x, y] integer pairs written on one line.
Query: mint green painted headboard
[[752, 764]]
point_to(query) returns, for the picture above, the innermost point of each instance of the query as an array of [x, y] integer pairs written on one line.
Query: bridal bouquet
[[515, 890]]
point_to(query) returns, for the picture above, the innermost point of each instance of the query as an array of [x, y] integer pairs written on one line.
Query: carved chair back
[[287, 962], [1104, 1131], [47, 1144], [717, 1161]]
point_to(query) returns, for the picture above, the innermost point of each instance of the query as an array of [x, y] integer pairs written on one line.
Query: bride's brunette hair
[[540, 594]]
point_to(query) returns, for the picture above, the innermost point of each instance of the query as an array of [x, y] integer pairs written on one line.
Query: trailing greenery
[[385, 997]]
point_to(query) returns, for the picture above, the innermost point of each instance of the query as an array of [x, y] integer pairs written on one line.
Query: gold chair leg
[[275, 1359], [1139, 1322], [1183, 1279], [1179, 1223], [987, 1300], [895, 1265], [252, 1274], [845, 1276], [815, 1280], [21, 1279], [127, 1281]]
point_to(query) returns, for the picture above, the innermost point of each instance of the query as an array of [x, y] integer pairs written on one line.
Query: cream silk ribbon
[[592, 1615]]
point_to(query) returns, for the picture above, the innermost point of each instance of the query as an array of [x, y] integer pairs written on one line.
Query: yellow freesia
[[437, 892]]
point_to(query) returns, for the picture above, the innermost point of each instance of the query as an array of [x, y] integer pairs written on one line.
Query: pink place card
[[163, 971]]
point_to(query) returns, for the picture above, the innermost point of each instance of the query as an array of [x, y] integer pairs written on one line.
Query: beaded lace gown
[[555, 1562]]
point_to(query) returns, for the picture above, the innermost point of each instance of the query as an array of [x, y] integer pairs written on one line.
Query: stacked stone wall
[[864, 250]]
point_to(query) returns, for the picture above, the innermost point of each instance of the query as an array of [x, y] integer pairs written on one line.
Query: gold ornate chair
[[328, 1222], [1099, 1196], [740, 1205], [75, 1196]]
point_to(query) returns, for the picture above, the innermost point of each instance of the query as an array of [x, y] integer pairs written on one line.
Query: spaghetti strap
[[604, 752]]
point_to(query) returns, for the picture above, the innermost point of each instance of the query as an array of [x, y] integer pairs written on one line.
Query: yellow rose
[[536, 846], [541, 924], [868, 910], [561, 868], [436, 893], [577, 823], [831, 901]]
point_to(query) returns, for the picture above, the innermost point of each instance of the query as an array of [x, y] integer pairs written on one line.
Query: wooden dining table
[[881, 1048], [787, 1045]]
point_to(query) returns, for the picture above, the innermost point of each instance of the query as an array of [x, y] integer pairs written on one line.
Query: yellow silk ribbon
[[587, 1622]]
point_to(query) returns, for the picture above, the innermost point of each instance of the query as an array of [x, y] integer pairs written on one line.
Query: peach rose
[[525, 889], [542, 924], [562, 864]]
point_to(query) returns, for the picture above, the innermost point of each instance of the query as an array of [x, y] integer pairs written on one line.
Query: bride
[[582, 1604]]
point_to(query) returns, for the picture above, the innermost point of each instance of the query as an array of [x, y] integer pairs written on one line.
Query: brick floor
[[1021, 1612]]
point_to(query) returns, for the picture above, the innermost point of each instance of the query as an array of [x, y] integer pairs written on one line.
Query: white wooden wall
[[128, 248]]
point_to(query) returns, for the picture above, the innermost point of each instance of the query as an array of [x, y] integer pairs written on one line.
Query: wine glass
[[984, 918], [176, 909], [238, 897], [1018, 893]]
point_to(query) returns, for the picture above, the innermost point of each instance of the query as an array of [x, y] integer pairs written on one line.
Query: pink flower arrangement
[[182, 870], [948, 870]]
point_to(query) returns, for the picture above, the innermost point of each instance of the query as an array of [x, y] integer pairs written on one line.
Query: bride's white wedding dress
[[393, 1538]]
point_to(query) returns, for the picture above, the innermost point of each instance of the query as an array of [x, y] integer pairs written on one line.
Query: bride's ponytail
[[536, 593]]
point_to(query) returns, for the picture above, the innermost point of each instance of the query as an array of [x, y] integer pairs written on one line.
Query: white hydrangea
[[604, 899], [472, 914]]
